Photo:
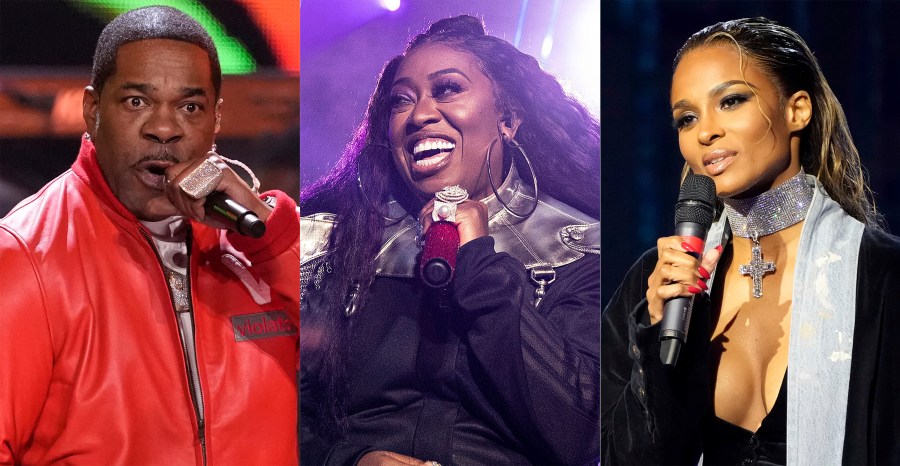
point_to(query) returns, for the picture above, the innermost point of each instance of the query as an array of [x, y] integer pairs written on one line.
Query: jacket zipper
[[201, 420], [201, 424]]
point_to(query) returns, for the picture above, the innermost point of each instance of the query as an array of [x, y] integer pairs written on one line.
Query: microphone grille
[[696, 200]]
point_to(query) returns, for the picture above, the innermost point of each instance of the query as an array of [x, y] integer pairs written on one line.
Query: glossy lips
[[718, 160]]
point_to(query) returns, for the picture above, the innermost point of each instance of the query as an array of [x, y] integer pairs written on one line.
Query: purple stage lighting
[[391, 5], [346, 43]]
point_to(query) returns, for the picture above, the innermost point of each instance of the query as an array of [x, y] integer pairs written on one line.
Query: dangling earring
[[213, 147], [87, 136], [513, 143]]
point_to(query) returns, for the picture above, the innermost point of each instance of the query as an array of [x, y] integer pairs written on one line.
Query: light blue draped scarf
[[822, 321]]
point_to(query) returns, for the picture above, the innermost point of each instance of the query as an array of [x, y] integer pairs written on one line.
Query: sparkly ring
[[202, 180], [446, 201]]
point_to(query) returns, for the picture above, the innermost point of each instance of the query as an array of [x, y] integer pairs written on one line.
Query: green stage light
[[235, 59]]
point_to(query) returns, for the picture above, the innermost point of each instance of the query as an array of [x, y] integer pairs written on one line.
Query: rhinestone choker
[[785, 205]]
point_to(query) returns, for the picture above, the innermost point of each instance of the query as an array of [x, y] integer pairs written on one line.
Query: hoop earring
[[368, 202], [512, 142]]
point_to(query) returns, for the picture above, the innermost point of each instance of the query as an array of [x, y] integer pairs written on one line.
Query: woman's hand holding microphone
[[677, 273]]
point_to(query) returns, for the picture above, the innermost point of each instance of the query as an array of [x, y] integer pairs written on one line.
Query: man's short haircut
[[153, 22]]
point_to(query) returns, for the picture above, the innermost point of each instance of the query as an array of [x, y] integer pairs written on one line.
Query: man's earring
[[87, 134]]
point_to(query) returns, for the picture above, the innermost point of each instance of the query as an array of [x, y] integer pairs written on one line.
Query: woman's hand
[[471, 219], [389, 458], [677, 273], [230, 183]]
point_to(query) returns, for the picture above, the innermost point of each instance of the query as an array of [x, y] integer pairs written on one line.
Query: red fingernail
[[694, 289], [719, 248], [703, 272], [687, 247], [702, 285]]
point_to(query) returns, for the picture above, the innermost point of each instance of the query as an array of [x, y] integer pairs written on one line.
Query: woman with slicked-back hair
[[494, 358], [788, 357]]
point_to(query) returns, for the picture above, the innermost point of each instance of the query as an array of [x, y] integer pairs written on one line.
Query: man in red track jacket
[[132, 330]]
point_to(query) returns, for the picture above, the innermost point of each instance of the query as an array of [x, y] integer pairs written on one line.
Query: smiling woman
[[501, 366], [435, 109]]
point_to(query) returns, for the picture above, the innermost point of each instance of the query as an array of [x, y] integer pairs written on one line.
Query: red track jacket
[[92, 370]]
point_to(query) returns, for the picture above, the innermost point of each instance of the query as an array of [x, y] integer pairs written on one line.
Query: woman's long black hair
[[560, 136]]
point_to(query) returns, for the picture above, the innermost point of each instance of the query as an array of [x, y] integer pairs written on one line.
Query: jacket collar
[[554, 235], [87, 168], [515, 193]]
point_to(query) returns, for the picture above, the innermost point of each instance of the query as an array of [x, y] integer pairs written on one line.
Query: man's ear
[[90, 109], [798, 111]]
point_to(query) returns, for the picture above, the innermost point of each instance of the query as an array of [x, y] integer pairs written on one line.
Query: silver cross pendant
[[757, 267]]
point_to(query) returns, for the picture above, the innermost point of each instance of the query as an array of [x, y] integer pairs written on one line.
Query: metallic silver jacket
[[552, 236]]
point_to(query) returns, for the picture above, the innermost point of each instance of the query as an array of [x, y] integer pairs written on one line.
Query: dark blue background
[[858, 47]]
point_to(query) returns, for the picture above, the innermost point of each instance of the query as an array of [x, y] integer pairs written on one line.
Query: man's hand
[[230, 183]]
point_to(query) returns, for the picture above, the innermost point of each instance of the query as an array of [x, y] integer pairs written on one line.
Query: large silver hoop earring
[[513, 143], [368, 201]]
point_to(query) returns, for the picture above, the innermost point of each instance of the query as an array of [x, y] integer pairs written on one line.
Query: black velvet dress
[[726, 443]]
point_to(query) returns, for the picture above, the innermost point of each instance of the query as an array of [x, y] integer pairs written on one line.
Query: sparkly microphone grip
[[439, 254], [442, 240]]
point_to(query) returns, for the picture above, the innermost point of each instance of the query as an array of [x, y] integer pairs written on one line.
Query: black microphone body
[[235, 215], [677, 311], [694, 213]]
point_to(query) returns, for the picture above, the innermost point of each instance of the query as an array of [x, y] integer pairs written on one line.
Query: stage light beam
[[391, 5], [576, 54], [547, 46], [588, 60]]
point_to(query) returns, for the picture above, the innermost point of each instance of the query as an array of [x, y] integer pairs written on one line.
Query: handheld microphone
[[235, 215], [439, 254], [442, 240], [694, 213]]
